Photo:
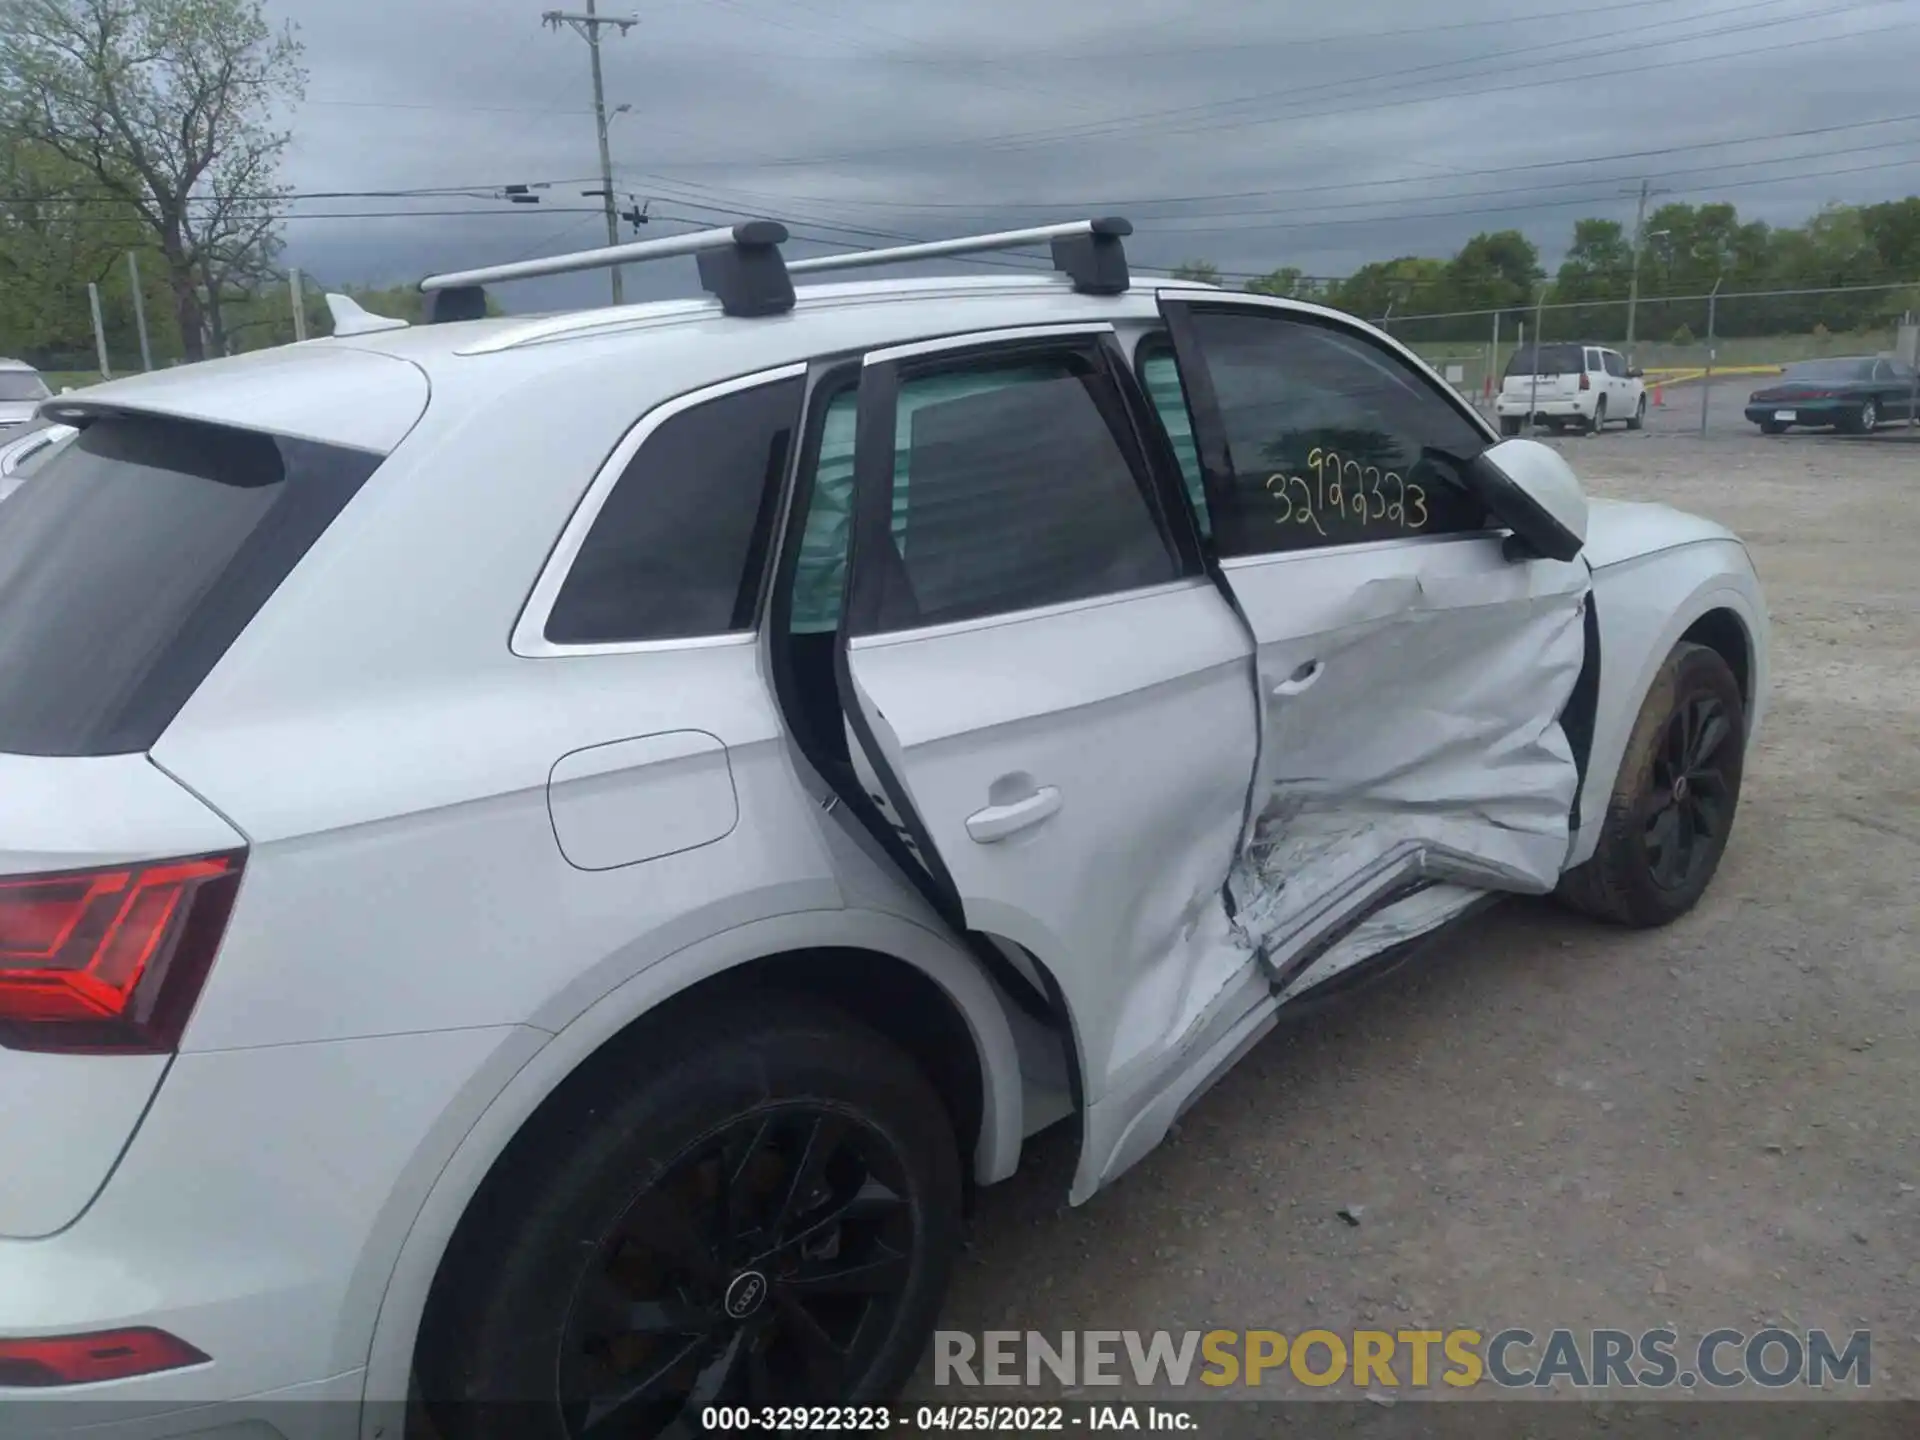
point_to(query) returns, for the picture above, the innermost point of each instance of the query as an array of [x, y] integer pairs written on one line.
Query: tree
[[51, 248], [1286, 281], [1894, 229], [1409, 283], [164, 105], [1204, 271], [1598, 268], [1495, 271], [1598, 264]]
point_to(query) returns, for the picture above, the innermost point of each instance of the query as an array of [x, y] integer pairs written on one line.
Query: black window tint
[[1017, 493], [133, 557], [1614, 365], [1547, 360], [1332, 440], [677, 549]]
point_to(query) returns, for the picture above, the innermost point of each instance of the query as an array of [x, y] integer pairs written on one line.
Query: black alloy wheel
[[752, 1200], [764, 1267], [1674, 798], [1690, 805]]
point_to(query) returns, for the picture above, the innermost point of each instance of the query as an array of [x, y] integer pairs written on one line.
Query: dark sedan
[[1852, 395]]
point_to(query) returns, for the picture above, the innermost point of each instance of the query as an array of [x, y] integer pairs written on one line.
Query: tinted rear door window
[[133, 557]]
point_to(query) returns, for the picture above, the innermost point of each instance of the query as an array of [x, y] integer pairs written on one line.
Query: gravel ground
[[1550, 1123]]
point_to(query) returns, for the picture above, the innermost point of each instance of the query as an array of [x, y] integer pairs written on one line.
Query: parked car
[[561, 912], [24, 448], [21, 391], [1558, 385], [1855, 394]]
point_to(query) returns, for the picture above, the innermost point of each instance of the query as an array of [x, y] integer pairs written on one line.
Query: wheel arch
[[1703, 593], [1722, 631], [871, 963]]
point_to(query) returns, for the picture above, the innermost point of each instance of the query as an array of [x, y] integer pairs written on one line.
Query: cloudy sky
[[1252, 135]]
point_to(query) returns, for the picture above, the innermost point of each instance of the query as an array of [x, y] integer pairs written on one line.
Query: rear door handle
[[1301, 681], [997, 822]]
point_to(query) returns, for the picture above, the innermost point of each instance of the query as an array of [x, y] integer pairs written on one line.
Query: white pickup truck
[[1570, 384]]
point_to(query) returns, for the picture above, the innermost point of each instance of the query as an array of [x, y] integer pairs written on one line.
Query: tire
[[1639, 420], [663, 1233], [1624, 882], [1509, 425], [1863, 420], [1772, 427], [1599, 420]]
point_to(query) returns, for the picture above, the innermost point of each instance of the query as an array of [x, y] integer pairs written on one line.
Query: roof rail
[[740, 264], [1088, 252]]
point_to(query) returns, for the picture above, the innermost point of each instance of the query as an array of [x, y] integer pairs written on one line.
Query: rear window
[[22, 385], [1548, 360], [133, 557], [1832, 372]]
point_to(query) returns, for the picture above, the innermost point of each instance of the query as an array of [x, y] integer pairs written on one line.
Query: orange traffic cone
[[1659, 398]]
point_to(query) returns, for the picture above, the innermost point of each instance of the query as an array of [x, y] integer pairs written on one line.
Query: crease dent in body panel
[[1455, 768]]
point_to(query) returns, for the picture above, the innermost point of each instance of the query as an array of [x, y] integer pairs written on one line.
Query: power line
[[1120, 124], [1007, 206], [1536, 82], [1598, 303], [424, 192], [1535, 205], [431, 105], [1542, 189], [784, 204], [1158, 52], [1583, 50]]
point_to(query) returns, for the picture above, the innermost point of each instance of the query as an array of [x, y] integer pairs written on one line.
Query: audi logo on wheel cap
[[746, 1294]]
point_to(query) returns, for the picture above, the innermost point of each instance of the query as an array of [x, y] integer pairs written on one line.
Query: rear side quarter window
[[677, 549]]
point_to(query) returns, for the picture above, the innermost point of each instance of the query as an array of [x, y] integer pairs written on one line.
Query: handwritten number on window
[[1347, 490]]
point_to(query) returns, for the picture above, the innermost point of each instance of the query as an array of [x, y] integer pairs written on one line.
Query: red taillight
[[110, 959], [1586, 381], [88, 1359]]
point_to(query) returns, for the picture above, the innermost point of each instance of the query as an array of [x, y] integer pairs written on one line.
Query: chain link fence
[[1676, 340]]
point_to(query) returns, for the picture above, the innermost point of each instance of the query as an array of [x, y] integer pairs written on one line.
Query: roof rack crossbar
[[1089, 252], [740, 264]]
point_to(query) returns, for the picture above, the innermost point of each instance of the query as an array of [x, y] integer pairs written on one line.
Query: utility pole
[[1639, 244], [99, 331], [588, 27], [1706, 380], [299, 298], [1539, 328], [1493, 361], [140, 310]]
